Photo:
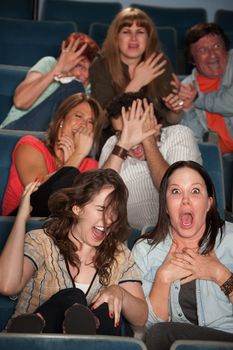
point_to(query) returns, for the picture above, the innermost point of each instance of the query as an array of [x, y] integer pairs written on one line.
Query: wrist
[[227, 286], [120, 151]]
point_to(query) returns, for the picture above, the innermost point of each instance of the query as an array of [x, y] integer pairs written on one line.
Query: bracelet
[[120, 152], [227, 287]]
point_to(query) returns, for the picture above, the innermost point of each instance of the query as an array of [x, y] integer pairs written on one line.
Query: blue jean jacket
[[214, 309]]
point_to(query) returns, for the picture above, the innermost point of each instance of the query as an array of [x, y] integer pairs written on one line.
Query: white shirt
[[176, 143]]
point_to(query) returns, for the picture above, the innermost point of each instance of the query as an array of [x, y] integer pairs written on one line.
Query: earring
[[61, 125]]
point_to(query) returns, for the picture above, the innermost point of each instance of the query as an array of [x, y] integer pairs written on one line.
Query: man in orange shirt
[[210, 113]]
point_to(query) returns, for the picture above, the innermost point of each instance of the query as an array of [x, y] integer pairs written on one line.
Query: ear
[[210, 203], [76, 210]]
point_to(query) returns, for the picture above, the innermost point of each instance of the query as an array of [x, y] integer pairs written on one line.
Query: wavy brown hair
[[213, 221], [64, 108], [110, 50], [62, 219]]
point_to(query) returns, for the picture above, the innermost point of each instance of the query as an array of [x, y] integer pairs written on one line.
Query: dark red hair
[[91, 49]]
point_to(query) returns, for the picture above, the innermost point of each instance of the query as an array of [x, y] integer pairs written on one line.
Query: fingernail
[[117, 324], [92, 308], [111, 315]]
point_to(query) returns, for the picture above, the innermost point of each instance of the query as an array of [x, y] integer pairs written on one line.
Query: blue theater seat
[[10, 77], [24, 42], [201, 345], [68, 342], [24, 9], [212, 162], [81, 12]]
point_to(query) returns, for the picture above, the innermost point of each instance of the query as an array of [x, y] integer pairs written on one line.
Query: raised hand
[[151, 122], [147, 71], [174, 101], [133, 132], [69, 57], [187, 94], [113, 296], [24, 206]]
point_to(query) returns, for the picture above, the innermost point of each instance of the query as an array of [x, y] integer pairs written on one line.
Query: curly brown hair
[[62, 218]]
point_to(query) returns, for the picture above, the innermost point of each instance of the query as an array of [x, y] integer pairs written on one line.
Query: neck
[[84, 251]]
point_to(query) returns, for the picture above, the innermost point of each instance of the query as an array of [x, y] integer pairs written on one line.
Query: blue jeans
[[39, 118]]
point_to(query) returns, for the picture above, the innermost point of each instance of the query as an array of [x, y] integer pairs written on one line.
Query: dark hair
[[125, 100], [62, 218], [200, 30], [64, 108], [213, 220], [92, 48]]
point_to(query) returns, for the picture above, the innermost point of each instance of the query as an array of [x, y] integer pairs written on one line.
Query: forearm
[[159, 298], [12, 257], [28, 93], [220, 101], [156, 163], [134, 309]]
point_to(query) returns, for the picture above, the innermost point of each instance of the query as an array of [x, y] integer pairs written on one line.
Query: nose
[[133, 36], [185, 199]]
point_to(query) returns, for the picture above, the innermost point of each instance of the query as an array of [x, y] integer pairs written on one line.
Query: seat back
[[98, 32], [24, 9], [10, 77], [168, 39], [201, 345], [212, 162], [72, 342], [81, 12], [224, 19], [7, 304], [24, 42], [8, 139]]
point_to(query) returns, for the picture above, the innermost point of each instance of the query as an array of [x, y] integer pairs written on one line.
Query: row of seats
[[211, 156], [99, 11], [94, 19], [27, 39]]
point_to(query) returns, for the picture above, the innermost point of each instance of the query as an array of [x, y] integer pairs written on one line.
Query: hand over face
[[66, 144], [134, 131], [69, 57], [113, 296]]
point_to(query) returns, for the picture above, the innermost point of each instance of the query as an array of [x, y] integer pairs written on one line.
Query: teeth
[[100, 228]]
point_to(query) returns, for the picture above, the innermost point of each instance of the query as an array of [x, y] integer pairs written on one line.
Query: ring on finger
[[181, 103]]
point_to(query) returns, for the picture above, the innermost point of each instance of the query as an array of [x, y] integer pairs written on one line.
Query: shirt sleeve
[[33, 248], [220, 101], [107, 150], [179, 143], [101, 82]]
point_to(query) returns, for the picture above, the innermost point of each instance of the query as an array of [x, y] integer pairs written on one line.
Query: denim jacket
[[214, 309], [220, 101]]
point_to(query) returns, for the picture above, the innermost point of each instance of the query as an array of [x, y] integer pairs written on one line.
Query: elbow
[[8, 289], [19, 104]]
